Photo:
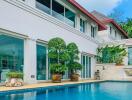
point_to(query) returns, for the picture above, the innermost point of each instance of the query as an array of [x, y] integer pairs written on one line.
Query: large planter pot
[[56, 78], [14, 82], [75, 77]]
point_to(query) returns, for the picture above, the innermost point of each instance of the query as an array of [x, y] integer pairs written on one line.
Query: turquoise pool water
[[90, 91]]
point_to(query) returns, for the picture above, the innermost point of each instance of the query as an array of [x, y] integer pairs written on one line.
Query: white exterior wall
[[36, 25], [106, 36]]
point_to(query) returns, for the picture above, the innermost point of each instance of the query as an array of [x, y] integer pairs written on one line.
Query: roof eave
[[78, 6], [117, 26]]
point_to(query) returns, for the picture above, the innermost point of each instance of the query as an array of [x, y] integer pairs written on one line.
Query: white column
[[30, 61], [93, 65], [77, 24]]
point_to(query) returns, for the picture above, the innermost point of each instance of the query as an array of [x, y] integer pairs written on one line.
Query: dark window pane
[[57, 10], [70, 17], [41, 62], [130, 56], [82, 25], [11, 55], [43, 5]]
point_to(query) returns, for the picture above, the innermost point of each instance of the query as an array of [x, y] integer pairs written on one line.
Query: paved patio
[[3, 88]]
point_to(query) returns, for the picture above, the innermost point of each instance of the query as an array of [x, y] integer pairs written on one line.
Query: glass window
[[110, 30], [41, 62], [130, 56], [44, 5], [86, 70], [69, 17], [57, 10], [11, 55], [82, 25], [115, 33], [93, 31]]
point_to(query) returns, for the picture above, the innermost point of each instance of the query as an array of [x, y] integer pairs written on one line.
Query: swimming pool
[[89, 91]]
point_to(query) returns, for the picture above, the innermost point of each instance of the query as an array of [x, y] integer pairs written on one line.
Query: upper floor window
[[57, 10], [110, 30], [93, 31], [122, 37], [115, 33], [82, 25], [44, 5], [70, 17]]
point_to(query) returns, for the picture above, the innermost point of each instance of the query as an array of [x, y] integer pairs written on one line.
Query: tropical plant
[[127, 26], [73, 52], [15, 74], [111, 54], [58, 55]]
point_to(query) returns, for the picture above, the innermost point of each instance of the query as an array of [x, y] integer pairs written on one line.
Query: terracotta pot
[[75, 77], [119, 64], [56, 78]]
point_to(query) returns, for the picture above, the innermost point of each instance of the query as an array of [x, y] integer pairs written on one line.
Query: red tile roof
[[83, 10], [107, 20]]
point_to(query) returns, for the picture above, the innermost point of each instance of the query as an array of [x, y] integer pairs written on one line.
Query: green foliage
[[57, 50], [111, 54], [73, 52], [74, 66], [15, 75], [127, 26], [57, 69], [58, 55]]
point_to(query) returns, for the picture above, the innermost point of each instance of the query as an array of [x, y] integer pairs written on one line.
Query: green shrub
[[15, 75], [111, 54], [58, 55], [73, 52], [74, 67], [57, 69]]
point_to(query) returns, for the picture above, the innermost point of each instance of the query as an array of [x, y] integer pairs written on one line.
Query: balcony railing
[[54, 13]]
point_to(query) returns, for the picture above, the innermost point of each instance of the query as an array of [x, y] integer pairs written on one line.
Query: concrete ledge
[[39, 85]]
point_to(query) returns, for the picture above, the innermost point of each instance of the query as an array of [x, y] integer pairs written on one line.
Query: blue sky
[[107, 6]]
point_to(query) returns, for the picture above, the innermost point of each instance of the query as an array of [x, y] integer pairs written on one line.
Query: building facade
[[26, 26], [114, 31]]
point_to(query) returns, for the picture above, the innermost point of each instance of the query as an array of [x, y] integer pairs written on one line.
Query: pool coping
[[42, 86]]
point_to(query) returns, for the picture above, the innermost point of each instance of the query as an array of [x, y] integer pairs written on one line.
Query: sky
[[107, 6]]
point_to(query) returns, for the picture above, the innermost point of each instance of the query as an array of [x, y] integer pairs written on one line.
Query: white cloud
[[104, 6]]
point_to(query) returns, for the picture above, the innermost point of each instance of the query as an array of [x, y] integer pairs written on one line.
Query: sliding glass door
[[11, 55], [41, 62], [86, 70], [129, 55]]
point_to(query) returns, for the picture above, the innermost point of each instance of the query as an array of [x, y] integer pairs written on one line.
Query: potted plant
[[15, 78], [73, 65], [57, 57]]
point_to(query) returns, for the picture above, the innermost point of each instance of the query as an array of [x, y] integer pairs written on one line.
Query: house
[[113, 32], [114, 35], [26, 26]]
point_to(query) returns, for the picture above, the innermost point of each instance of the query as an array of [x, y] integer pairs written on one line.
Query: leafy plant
[[74, 67], [127, 26], [57, 68], [15, 75], [73, 52], [58, 55], [111, 54]]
